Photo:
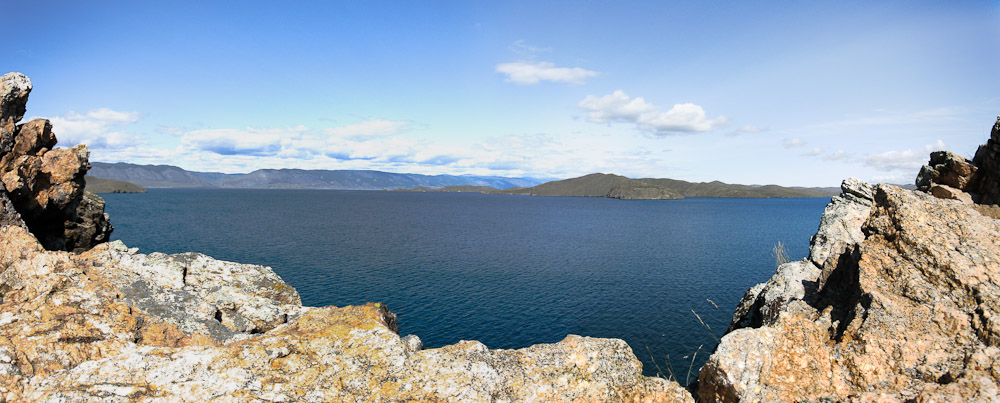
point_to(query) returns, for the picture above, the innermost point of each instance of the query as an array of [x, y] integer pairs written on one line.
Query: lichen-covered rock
[[46, 186], [200, 294], [913, 317]]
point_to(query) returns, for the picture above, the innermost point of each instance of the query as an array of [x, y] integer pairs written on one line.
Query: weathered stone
[[90, 224], [988, 210], [33, 138], [949, 169], [948, 192], [912, 317], [988, 160], [8, 214], [840, 226], [413, 343], [835, 242], [14, 90], [43, 185]]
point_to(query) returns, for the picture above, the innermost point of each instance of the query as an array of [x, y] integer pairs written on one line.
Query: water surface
[[509, 271]]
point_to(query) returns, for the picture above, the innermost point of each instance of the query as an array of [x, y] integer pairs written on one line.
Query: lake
[[509, 271]]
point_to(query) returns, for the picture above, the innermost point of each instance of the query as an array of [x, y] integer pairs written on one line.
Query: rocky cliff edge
[[86, 320], [898, 300]]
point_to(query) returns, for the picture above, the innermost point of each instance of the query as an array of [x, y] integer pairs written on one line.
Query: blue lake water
[[509, 271]]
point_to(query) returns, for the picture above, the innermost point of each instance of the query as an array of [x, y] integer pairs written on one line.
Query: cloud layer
[[619, 107], [527, 73], [99, 128]]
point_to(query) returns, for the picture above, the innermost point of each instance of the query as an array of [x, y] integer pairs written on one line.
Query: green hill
[[719, 189], [102, 185], [599, 185], [620, 187]]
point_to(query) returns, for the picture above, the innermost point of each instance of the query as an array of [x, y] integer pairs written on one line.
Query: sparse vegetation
[[780, 254], [692, 357]]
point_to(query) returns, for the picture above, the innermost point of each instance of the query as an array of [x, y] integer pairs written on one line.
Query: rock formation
[[980, 177], [105, 323], [45, 186], [898, 300]]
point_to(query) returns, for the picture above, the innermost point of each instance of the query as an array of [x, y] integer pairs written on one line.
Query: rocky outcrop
[[898, 301], [46, 186], [988, 160], [948, 175]]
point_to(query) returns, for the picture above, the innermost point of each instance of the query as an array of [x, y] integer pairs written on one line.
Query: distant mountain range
[[593, 185], [620, 187], [168, 176]]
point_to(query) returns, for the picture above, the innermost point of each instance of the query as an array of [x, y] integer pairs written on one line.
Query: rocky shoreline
[[898, 301]]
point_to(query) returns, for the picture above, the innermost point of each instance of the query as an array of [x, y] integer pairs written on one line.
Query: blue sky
[[792, 93]]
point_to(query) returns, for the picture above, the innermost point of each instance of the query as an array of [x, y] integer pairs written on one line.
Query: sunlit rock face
[[83, 320], [45, 186], [898, 301]]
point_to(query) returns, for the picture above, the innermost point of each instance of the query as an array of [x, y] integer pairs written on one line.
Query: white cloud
[[619, 107], [369, 128], [99, 128], [905, 160], [793, 143], [526, 72], [249, 141]]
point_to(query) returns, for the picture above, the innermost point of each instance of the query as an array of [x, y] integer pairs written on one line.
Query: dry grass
[[780, 254]]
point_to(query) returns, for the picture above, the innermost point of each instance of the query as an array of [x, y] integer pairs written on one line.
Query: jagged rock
[[90, 224], [14, 89], [911, 317], [840, 226], [8, 214], [949, 169], [980, 177], [988, 160], [835, 242], [46, 186]]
